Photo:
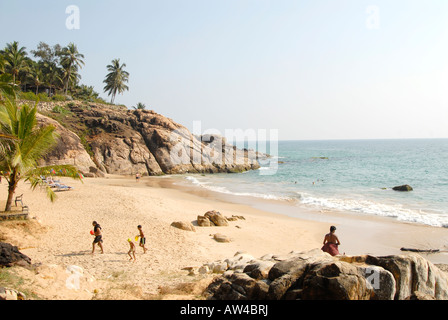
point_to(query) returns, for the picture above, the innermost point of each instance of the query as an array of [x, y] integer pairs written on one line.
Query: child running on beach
[[131, 251], [142, 238]]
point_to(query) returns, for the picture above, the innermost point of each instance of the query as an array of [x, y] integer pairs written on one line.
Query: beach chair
[[19, 199], [62, 187]]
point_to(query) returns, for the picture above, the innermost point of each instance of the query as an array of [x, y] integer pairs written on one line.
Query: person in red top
[[331, 242]]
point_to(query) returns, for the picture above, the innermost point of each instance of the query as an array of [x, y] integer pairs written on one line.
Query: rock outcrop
[[109, 139], [11, 256], [11, 294], [216, 218], [315, 275], [68, 150], [183, 225], [404, 187]]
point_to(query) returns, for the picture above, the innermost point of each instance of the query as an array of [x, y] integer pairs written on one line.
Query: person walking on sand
[[98, 237], [142, 238], [331, 242], [131, 251]]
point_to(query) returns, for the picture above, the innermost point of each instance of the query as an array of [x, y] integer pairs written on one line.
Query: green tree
[[71, 61], [51, 75], [48, 60], [116, 79], [7, 87], [18, 156], [47, 54], [15, 59], [36, 76], [140, 106], [2, 63]]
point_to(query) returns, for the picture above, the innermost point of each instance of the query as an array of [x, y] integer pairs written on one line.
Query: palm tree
[[7, 87], [36, 76], [18, 156], [15, 59], [51, 75], [71, 60], [140, 106], [116, 79], [2, 63], [69, 77]]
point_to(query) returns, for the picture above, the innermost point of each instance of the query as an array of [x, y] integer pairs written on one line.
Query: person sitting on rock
[[331, 242]]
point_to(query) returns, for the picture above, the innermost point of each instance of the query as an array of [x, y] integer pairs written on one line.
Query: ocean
[[352, 176]]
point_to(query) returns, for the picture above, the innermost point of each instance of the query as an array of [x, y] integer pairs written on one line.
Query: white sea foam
[[379, 209], [220, 189], [359, 206]]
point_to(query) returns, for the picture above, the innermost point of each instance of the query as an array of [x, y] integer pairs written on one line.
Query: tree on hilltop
[[71, 61], [15, 59], [140, 106], [116, 79]]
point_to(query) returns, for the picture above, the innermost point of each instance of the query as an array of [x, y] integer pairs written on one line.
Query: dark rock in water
[[11, 256], [404, 187]]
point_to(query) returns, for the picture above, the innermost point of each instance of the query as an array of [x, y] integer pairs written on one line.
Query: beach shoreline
[[120, 203], [362, 233]]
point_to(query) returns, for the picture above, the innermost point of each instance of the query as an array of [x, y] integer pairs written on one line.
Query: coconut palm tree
[[18, 156], [15, 59], [2, 63], [140, 106], [69, 77], [7, 87], [116, 79], [36, 76], [71, 61], [51, 75]]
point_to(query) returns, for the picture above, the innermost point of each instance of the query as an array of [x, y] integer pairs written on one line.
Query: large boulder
[[238, 286], [11, 256], [203, 221], [219, 237], [216, 218], [315, 275], [413, 273], [183, 225], [11, 294]]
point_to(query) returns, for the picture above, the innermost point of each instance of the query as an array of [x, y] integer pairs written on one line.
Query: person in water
[[331, 242]]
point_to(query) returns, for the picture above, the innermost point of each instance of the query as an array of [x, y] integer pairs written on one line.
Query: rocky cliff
[[101, 139]]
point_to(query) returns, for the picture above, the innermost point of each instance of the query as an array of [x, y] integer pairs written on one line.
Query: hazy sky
[[316, 69]]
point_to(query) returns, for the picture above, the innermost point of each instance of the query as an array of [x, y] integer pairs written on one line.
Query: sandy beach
[[58, 236]]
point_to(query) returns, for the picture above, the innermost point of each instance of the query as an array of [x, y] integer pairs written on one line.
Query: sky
[[308, 70]]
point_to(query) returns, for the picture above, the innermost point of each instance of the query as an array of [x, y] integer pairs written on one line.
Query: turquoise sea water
[[354, 176]]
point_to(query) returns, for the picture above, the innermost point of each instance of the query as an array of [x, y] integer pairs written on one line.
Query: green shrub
[[59, 97], [28, 96], [60, 109], [43, 97]]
